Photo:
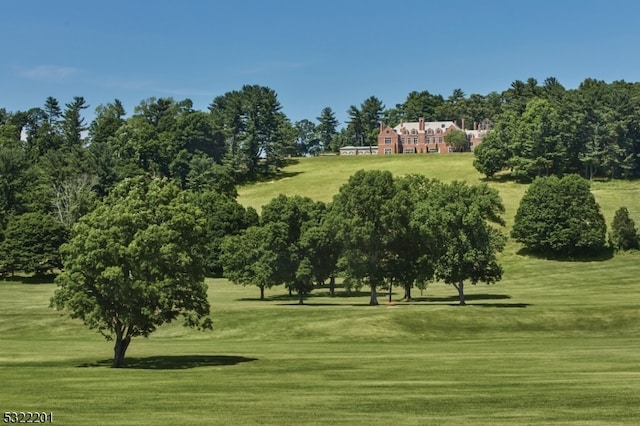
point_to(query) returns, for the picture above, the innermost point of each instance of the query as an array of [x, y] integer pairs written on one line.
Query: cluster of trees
[[547, 130], [55, 167], [378, 231], [561, 218], [139, 258]]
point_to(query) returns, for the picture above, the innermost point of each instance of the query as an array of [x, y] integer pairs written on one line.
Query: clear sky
[[314, 54]]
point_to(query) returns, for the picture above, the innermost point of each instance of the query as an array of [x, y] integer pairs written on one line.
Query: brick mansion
[[420, 137]]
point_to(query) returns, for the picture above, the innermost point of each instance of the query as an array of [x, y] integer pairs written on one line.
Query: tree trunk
[[300, 297], [374, 296], [407, 292], [332, 285], [460, 288], [119, 350], [261, 292]]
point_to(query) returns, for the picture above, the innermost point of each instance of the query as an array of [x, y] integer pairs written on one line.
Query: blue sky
[[314, 54]]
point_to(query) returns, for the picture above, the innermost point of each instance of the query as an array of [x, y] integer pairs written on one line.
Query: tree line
[[546, 130], [55, 167]]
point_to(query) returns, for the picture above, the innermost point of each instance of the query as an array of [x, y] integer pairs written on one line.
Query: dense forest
[[55, 167]]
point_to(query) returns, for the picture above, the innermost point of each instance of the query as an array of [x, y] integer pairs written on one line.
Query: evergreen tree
[[327, 128], [624, 235]]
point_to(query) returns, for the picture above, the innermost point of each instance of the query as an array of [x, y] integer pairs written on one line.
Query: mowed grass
[[555, 342]]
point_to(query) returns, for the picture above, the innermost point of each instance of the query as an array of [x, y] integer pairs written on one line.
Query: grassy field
[[555, 342]]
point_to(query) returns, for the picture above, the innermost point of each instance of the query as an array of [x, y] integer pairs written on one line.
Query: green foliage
[[223, 216], [135, 263], [420, 105], [254, 257], [295, 267], [560, 217], [31, 244], [73, 124], [327, 129], [366, 220], [456, 218], [364, 122], [458, 140], [307, 139], [204, 174], [283, 249], [414, 250], [545, 130], [148, 139], [23, 186], [624, 235], [257, 134]]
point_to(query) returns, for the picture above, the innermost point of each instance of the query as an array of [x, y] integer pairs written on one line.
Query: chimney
[[381, 126], [421, 124], [463, 128]]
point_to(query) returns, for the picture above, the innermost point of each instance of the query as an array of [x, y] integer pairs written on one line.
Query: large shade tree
[[366, 220], [296, 268], [460, 222], [135, 263], [559, 217]]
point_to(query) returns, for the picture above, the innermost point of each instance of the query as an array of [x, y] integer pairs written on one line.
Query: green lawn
[[555, 342]]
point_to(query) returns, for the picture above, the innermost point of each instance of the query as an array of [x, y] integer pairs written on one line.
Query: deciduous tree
[[254, 257], [135, 263], [365, 220], [460, 221], [559, 217], [458, 140]]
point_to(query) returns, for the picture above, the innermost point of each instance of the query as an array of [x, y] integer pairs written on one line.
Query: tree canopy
[[624, 235], [135, 263], [559, 217], [459, 220]]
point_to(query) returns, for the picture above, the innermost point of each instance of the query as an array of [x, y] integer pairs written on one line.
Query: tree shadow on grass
[[174, 362], [313, 295], [273, 177], [501, 177], [454, 301], [35, 279], [599, 255]]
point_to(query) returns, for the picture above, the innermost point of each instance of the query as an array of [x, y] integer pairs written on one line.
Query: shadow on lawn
[[313, 295], [453, 301], [34, 279], [595, 255], [174, 362], [314, 299]]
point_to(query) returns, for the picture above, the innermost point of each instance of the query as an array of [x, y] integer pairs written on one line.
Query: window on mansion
[[387, 141]]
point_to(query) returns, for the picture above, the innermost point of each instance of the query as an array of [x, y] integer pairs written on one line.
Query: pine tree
[[624, 235]]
